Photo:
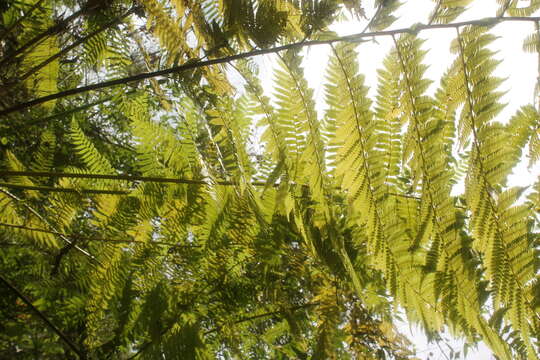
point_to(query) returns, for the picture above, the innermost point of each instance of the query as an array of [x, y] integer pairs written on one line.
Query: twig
[[25, 124], [435, 13], [504, 8], [103, 137], [64, 190], [249, 318], [83, 238], [255, 317], [536, 96], [80, 41], [21, 19], [64, 238], [38, 38], [373, 18], [42, 316], [121, 177]]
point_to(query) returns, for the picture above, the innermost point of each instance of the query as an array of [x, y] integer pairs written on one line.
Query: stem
[[21, 19], [38, 215], [536, 97], [64, 113], [241, 320], [119, 177], [80, 41], [271, 313], [63, 190], [435, 12], [100, 136], [374, 17], [82, 238], [55, 29], [505, 8], [198, 64], [42, 316]]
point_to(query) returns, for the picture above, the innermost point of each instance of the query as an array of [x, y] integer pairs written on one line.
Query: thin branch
[[38, 215], [373, 18], [241, 320], [21, 19], [435, 12], [44, 120], [145, 346], [103, 137], [64, 190], [12, 244], [271, 313], [441, 350], [55, 29], [504, 8], [83, 238], [74, 110], [75, 44], [43, 317], [122, 177], [130, 178], [198, 64]]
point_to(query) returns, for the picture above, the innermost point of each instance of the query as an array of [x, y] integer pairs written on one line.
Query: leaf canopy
[[200, 215]]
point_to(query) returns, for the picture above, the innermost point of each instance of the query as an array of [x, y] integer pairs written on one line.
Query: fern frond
[[94, 161], [355, 137], [11, 162], [385, 14], [518, 9], [44, 156], [13, 212], [232, 134], [301, 126], [44, 81], [489, 168], [171, 33], [447, 11]]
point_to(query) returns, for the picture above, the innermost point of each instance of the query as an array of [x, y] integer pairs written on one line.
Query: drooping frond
[[496, 149], [384, 15], [300, 124], [447, 11], [92, 159], [515, 8], [355, 138], [44, 155], [184, 210]]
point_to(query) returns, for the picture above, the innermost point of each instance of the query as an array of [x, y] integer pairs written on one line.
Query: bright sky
[[519, 68]]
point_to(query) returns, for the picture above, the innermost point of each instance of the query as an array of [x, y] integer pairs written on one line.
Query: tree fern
[[193, 212], [486, 174]]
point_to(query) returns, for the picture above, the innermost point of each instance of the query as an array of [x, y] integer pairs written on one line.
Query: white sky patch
[[519, 69]]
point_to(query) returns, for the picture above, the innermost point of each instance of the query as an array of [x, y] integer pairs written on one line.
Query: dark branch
[[55, 29], [41, 218], [198, 64], [83, 238], [271, 313], [58, 258], [42, 316], [114, 177], [63, 190], [80, 41], [241, 320], [21, 19]]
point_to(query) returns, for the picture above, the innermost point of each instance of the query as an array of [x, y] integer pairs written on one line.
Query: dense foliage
[[184, 211]]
